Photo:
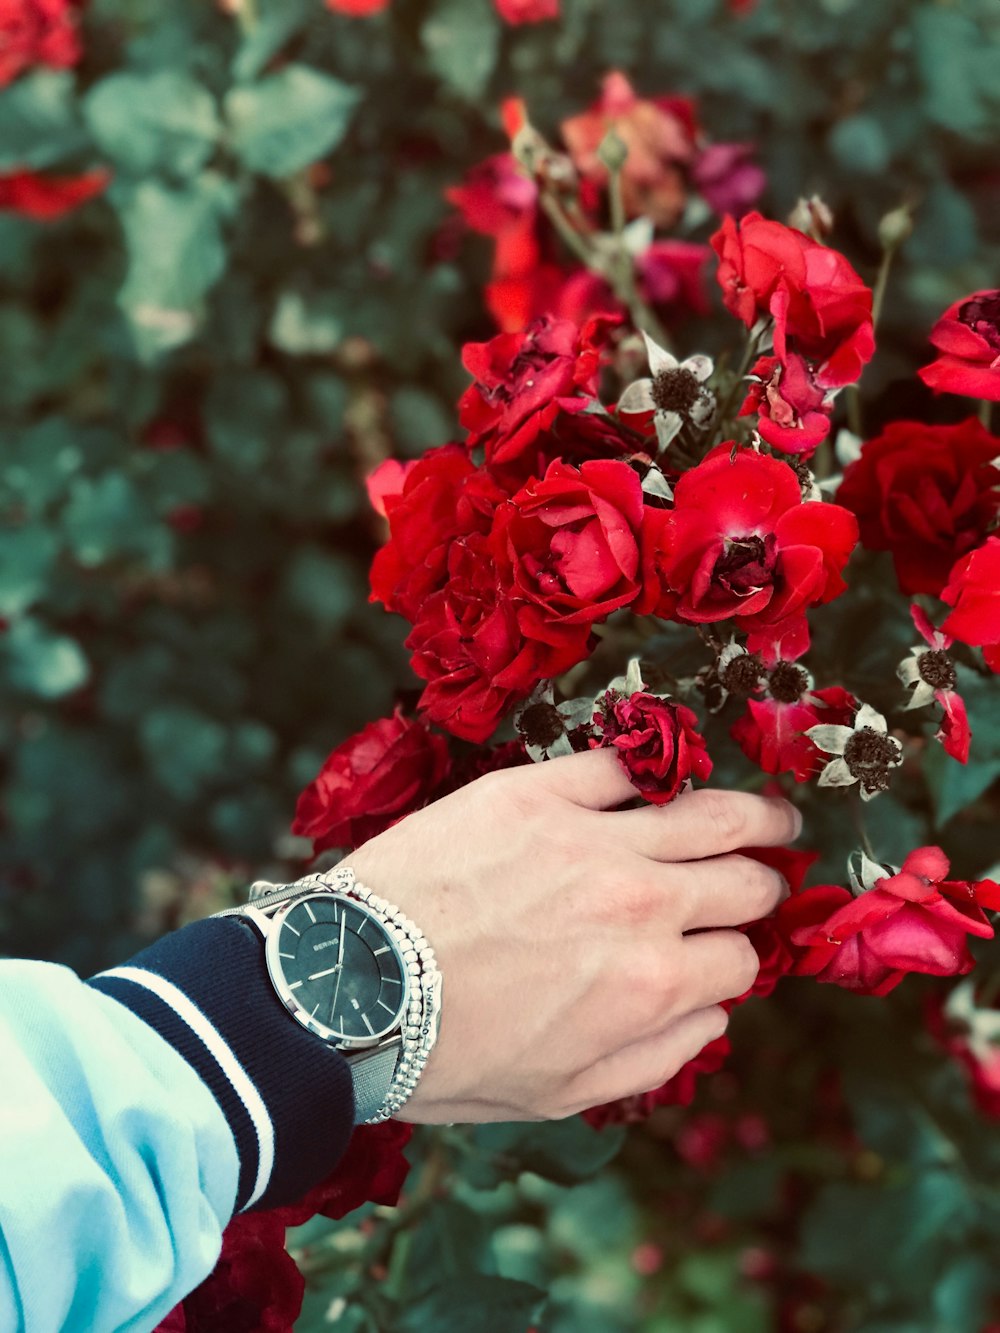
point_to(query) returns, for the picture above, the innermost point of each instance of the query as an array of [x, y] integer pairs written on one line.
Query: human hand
[[559, 925]]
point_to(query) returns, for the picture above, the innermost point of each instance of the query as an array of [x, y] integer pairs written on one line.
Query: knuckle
[[725, 816], [763, 885], [627, 897], [653, 984]]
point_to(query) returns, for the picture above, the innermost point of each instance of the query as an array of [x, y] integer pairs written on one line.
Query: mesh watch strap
[[372, 1072]]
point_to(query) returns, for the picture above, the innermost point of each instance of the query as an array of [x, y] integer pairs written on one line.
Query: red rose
[[373, 779], [569, 549], [497, 197], [659, 137], [45, 198], [773, 954], [467, 644], [677, 1091], [741, 544], [926, 493], [443, 497], [357, 8], [522, 380], [821, 308], [527, 11], [913, 921], [373, 1170], [968, 336], [658, 742], [254, 1288], [36, 32], [793, 410], [771, 733], [973, 589]]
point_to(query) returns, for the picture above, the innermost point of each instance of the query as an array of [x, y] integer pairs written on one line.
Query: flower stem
[[749, 353], [986, 413], [859, 824], [611, 261]]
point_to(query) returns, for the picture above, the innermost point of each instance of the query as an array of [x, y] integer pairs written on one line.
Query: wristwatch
[[355, 971]]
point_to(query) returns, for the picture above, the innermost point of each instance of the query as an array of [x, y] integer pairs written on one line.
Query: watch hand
[[336, 991], [328, 972], [339, 969]]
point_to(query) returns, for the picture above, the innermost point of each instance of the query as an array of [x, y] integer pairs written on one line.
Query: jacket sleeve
[[138, 1112]]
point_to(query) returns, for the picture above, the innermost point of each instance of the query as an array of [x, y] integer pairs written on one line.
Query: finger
[[644, 1065], [727, 891], [707, 823], [719, 965], [593, 779]]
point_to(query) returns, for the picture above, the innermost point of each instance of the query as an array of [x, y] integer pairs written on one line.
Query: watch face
[[337, 969]]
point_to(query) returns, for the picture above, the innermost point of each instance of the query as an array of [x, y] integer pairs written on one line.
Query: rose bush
[[242, 247]]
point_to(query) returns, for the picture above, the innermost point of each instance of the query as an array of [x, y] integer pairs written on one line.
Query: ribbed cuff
[[287, 1096]]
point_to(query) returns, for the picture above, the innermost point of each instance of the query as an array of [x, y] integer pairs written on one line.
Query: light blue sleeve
[[118, 1169]]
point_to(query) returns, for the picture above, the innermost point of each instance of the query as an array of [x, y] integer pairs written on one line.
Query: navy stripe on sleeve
[[287, 1096]]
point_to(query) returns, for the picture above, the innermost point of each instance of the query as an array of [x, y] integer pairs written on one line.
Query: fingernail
[[798, 822]]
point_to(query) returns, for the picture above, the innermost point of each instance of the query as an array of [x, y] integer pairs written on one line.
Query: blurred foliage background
[[198, 367]]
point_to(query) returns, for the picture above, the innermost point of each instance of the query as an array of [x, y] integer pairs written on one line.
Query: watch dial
[[341, 967]]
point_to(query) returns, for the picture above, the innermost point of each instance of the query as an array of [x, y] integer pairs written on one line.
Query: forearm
[[140, 1111]]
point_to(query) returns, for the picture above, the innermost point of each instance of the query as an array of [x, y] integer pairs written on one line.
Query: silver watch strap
[[373, 1072]]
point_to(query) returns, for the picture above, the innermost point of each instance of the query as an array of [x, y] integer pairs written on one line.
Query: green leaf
[[153, 122], [39, 124], [859, 144], [462, 41], [307, 325], [289, 119], [27, 556], [565, 1151], [276, 22], [244, 413], [325, 587], [420, 420], [43, 663], [184, 748], [858, 1234], [486, 1304], [105, 518], [176, 253], [957, 68]]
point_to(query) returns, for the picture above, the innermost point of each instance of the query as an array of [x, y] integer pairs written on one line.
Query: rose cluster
[[589, 514]]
